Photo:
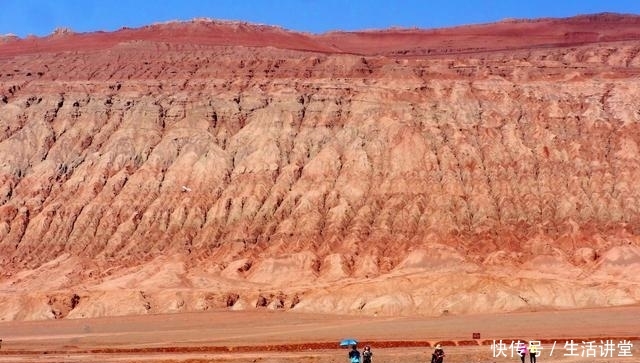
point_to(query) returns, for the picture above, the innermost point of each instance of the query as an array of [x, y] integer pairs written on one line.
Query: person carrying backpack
[[367, 354], [354, 355]]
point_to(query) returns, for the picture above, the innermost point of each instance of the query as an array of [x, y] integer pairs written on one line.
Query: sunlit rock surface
[[210, 165]]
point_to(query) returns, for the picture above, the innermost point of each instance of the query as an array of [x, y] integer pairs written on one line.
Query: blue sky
[[41, 17]]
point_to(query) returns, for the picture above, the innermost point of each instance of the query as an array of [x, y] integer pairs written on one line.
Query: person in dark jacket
[[367, 354], [354, 354], [438, 355]]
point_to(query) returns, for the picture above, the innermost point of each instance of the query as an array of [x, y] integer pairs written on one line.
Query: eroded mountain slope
[[155, 177]]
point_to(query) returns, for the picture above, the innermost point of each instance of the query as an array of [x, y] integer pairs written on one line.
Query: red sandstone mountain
[[199, 165]]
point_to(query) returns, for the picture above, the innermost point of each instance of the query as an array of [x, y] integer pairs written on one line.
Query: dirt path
[[285, 337]]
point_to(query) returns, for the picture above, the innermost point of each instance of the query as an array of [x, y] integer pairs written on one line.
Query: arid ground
[[265, 336]]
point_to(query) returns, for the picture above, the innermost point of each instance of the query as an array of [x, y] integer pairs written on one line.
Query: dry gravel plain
[[265, 336]]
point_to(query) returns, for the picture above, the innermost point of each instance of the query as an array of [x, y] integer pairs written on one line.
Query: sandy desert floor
[[264, 336]]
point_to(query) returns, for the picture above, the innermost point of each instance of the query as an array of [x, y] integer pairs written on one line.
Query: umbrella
[[348, 342]]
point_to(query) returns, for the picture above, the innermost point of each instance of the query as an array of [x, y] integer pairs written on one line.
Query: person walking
[[354, 354], [367, 355], [533, 353], [438, 355], [522, 351]]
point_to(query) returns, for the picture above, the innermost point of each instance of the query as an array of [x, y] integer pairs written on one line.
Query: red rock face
[[204, 165]]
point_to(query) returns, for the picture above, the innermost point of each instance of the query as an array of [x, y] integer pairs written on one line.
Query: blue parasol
[[348, 342]]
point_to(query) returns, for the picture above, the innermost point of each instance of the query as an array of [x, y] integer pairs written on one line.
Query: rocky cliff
[[205, 165]]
